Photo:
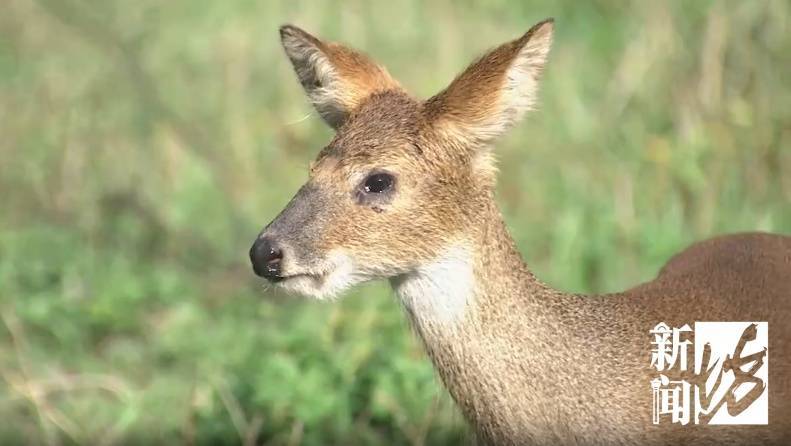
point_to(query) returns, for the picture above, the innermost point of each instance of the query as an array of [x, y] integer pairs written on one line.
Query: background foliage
[[145, 143]]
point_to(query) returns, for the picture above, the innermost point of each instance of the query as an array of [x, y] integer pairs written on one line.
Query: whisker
[[302, 119]]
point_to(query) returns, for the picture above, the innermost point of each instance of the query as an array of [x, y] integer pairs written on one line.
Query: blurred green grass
[[144, 145]]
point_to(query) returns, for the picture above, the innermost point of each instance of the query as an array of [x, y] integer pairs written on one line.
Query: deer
[[405, 192]]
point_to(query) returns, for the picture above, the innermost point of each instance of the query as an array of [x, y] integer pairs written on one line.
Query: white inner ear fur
[[519, 92], [318, 77], [516, 95], [439, 293]]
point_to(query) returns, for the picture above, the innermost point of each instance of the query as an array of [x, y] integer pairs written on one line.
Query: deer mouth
[[305, 284], [313, 276], [333, 276]]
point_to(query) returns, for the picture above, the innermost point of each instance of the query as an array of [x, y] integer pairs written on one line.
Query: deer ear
[[493, 93], [336, 79]]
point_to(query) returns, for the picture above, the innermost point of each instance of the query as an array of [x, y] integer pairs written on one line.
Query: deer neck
[[486, 322], [480, 278]]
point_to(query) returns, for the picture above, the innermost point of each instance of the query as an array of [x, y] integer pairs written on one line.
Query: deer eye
[[378, 183]]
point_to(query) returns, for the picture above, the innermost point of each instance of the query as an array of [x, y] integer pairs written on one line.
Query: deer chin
[[336, 275]]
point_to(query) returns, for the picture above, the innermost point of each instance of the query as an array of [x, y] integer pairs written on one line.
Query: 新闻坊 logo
[[728, 381]]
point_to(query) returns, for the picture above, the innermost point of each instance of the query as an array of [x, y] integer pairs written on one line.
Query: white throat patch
[[439, 292]]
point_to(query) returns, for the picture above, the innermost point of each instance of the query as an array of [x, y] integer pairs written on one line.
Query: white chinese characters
[[729, 382]]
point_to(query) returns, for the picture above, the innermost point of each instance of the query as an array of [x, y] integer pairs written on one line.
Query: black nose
[[267, 258]]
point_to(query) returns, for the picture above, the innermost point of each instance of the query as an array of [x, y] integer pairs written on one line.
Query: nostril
[[274, 256], [266, 258]]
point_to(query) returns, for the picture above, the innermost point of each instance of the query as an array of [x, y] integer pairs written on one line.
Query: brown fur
[[527, 364], [331, 71], [481, 95]]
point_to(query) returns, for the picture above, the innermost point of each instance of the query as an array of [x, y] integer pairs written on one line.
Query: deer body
[[532, 365], [405, 192]]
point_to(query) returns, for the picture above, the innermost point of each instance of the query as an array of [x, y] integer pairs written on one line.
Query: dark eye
[[378, 183]]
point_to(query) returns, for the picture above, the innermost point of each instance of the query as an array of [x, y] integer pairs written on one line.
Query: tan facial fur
[[436, 149]]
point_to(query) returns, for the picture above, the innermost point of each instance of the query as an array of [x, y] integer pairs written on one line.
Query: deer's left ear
[[336, 79], [494, 92]]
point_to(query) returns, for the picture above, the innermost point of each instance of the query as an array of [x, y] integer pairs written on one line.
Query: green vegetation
[[144, 144]]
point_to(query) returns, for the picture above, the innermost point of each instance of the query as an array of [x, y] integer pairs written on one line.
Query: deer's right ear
[[493, 93], [336, 79]]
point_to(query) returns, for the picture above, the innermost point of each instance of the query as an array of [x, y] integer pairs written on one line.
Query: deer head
[[402, 179]]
